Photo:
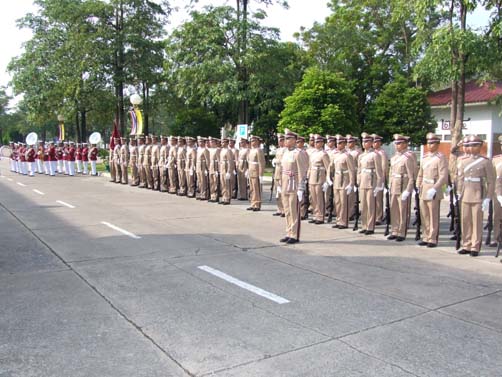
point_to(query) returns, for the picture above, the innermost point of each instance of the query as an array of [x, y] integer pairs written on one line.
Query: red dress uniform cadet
[[78, 158], [294, 165], [85, 158], [93, 157], [475, 184], [432, 175], [71, 158], [52, 159], [30, 160]]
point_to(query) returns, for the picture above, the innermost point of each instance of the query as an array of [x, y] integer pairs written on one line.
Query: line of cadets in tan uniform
[[216, 171]]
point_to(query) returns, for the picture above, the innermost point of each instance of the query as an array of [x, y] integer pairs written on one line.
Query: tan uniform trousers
[[182, 179], [134, 174], [399, 215], [125, 175], [341, 200], [112, 170], [472, 226], [352, 203], [429, 215], [292, 212], [380, 207], [497, 218], [173, 180], [190, 182], [202, 185], [226, 189], [255, 192], [163, 179], [368, 208], [242, 186], [118, 171], [148, 176], [278, 196], [156, 177], [318, 206], [233, 183], [142, 176], [213, 186]]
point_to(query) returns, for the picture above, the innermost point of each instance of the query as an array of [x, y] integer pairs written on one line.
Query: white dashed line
[[38, 192], [132, 235], [21, 184], [65, 204], [242, 284], [3, 176]]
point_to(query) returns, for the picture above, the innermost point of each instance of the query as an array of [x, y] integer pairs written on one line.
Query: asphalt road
[[102, 279]]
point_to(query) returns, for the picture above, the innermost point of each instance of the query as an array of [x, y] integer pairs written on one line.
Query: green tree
[[401, 108], [322, 103]]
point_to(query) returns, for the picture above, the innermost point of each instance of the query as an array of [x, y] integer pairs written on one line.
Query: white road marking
[[38, 192], [65, 204], [132, 235], [242, 284], [10, 179], [3, 176], [21, 184]]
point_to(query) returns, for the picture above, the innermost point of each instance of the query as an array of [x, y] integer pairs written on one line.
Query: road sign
[[242, 131]]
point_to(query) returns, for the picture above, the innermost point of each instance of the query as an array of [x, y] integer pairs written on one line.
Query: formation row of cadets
[[49, 159]]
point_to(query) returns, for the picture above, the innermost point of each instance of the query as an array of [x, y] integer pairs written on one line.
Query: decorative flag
[[139, 118], [134, 122], [115, 134], [61, 131]]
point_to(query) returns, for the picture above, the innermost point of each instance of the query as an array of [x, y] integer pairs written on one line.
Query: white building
[[482, 115]]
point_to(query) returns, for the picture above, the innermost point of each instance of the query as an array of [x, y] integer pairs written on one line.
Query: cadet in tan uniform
[[432, 175], [342, 173], [147, 162], [124, 160], [475, 182], [294, 174], [202, 169], [354, 152], [276, 163], [318, 185], [191, 161], [233, 179], [304, 211], [384, 159], [370, 183], [242, 170], [155, 163], [497, 201], [402, 172], [141, 161], [133, 161], [329, 199], [181, 166], [227, 168], [214, 162], [172, 165], [256, 162], [117, 166], [163, 155]]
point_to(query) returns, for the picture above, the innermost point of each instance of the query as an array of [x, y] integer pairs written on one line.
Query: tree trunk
[[83, 127], [77, 127], [119, 68], [146, 108]]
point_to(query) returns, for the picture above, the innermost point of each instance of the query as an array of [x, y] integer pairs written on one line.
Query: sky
[[300, 13]]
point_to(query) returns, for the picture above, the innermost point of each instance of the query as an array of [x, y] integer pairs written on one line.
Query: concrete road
[[102, 279]]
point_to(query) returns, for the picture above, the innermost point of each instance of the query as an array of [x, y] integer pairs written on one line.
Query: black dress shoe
[[392, 237], [493, 244], [276, 214], [463, 252], [335, 226], [285, 239], [283, 215], [368, 232], [318, 222], [226, 203], [292, 241], [423, 243], [430, 244], [400, 239], [241, 199], [256, 209], [249, 209], [362, 231], [311, 221], [474, 253], [343, 227], [378, 223]]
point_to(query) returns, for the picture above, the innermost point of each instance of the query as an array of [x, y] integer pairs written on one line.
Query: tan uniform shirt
[[342, 170], [369, 170], [475, 178], [319, 166], [384, 160], [155, 155], [133, 152], [202, 159], [141, 154], [277, 160], [181, 158], [294, 164], [163, 153], [433, 173], [172, 156], [256, 161], [242, 162], [124, 154], [214, 160], [497, 165], [116, 153], [147, 159], [191, 159], [402, 172]]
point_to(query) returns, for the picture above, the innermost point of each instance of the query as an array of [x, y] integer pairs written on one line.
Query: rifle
[[331, 203], [306, 200], [235, 189], [218, 188], [457, 228], [418, 220], [451, 214], [489, 226], [356, 209], [499, 239], [272, 186], [387, 210]]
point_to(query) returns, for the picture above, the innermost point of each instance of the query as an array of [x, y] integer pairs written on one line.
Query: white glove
[[235, 172], [485, 205], [279, 190], [227, 176], [191, 172], [261, 180], [448, 190], [299, 194], [349, 189], [429, 195], [330, 182], [205, 173], [216, 173], [377, 190], [499, 198], [354, 189], [405, 195], [273, 163], [385, 191], [246, 173], [325, 186]]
